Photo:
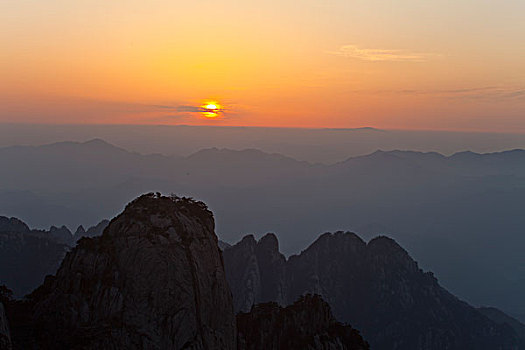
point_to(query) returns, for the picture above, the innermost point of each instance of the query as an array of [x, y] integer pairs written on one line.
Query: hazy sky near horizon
[[407, 64]]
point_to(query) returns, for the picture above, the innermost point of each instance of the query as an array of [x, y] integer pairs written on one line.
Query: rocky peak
[[12, 225], [383, 245], [336, 244], [269, 242], [256, 271], [387, 253], [376, 287], [153, 280], [307, 324], [80, 232], [92, 231]]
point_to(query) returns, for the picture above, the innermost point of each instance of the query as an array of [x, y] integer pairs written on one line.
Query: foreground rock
[[376, 287], [502, 318], [308, 324], [153, 280], [5, 337]]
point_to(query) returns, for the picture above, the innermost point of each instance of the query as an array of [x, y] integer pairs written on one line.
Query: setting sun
[[211, 109]]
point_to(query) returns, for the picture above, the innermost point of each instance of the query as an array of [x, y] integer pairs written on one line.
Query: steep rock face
[[255, 271], [333, 268], [410, 310], [500, 317], [153, 280], [308, 324], [5, 338], [26, 257], [379, 289]]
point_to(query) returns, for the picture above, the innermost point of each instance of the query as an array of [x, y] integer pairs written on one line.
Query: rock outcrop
[[153, 280], [256, 271], [26, 257], [308, 324], [376, 287], [5, 337], [12, 225], [93, 231], [502, 318]]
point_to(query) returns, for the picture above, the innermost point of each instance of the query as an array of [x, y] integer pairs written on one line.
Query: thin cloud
[[183, 109], [381, 55], [489, 93], [188, 109]]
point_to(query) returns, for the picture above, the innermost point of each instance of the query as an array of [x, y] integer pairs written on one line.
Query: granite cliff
[[5, 336], [376, 286], [307, 324], [153, 280]]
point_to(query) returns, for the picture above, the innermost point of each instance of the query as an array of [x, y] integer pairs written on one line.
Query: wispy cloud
[[489, 93], [382, 55], [188, 109]]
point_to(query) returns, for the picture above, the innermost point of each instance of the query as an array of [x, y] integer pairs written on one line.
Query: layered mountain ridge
[[375, 286], [155, 280], [427, 201]]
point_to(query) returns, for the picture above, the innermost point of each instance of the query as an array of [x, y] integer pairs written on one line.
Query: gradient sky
[[408, 64]]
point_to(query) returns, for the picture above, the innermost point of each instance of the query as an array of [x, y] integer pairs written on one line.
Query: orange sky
[[332, 63]]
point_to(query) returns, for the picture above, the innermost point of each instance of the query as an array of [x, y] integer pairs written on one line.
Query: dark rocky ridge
[[5, 337], [308, 324], [12, 225], [153, 280], [27, 256], [500, 317], [376, 287], [92, 231], [255, 272]]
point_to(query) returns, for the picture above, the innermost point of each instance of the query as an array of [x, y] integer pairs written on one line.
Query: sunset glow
[[415, 65], [211, 109]]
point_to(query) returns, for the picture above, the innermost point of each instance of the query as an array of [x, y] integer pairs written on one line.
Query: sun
[[211, 106], [211, 109]]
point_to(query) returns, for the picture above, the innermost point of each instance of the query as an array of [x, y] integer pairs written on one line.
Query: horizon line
[[360, 128]]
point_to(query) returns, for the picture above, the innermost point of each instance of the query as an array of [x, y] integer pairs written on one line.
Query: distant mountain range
[[325, 145], [460, 214]]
